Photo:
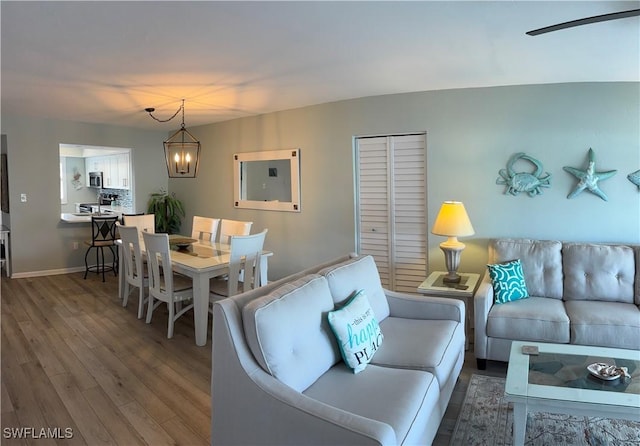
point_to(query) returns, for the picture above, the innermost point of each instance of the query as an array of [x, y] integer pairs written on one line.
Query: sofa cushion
[[402, 399], [607, 324], [598, 272], [357, 331], [508, 281], [541, 263], [431, 345], [356, 274], [533, 319], [288, 332]]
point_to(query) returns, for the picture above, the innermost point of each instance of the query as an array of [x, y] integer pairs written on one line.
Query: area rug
[[486, 419]]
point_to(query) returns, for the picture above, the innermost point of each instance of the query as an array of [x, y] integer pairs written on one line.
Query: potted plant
[[168, 211]]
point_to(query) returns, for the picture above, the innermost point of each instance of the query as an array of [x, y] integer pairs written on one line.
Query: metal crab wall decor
[[529, 182]]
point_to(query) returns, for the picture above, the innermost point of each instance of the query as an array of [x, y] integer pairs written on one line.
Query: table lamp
[[453, 222]]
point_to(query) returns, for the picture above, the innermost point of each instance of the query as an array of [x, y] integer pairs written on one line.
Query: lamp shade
[[452, 220]]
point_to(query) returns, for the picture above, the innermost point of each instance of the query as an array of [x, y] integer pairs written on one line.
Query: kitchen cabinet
[[116, 170], [94, 164], [123, 166]]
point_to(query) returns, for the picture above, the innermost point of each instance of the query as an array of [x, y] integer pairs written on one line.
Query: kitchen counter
[[115, 209], [86, 218]]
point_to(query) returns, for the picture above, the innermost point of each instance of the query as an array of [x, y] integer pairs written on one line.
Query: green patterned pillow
[[357, 331], [508, 281]]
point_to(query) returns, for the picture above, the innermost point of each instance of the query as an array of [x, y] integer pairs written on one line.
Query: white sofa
[[278, 377], [581, 293]]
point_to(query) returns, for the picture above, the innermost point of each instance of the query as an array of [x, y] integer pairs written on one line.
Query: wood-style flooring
[[78, 367]]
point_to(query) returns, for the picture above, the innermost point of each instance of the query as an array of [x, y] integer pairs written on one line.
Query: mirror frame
[[293, 155]]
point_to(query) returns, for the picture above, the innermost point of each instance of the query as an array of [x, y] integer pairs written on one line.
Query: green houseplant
[[168, 211]]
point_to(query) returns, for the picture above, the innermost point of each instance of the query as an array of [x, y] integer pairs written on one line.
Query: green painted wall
[[471, 133]]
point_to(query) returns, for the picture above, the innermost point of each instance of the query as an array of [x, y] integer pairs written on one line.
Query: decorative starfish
[[634, 177], [589, 178]]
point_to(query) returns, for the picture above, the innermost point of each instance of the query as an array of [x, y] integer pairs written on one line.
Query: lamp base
[[452, 249], [456, 278]]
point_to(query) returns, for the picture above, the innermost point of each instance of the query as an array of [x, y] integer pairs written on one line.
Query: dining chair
[[233, 227], [205, 228], [144, 222], [244, 267], [165, 286], [103, 235], [134, 267]]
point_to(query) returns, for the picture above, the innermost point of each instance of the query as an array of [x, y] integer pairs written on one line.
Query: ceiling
[[104, 62]]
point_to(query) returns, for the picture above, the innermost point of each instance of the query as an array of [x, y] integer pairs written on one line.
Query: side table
[[464, 290]]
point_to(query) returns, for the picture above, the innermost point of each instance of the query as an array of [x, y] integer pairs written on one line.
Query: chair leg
[[86, 263], [171, 307], [126, 290], [102, 253], [150, 309], [114, 264], [141, 302]]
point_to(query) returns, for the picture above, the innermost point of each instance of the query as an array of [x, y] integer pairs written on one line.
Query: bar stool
[[103, 234]]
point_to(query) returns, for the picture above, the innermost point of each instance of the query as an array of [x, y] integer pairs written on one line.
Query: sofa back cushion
[[598, 272], [288, 332], [356, 274], [541, 263]]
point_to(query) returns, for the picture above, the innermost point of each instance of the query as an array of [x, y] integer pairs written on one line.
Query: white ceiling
[[104, 62]]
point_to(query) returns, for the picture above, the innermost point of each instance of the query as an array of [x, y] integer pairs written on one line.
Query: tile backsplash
[[125, 198]]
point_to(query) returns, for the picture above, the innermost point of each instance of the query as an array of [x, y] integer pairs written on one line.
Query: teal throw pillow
[[508, 281], [357, 331]]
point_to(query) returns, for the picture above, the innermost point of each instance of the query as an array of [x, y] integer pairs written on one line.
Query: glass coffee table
[[557, 380]]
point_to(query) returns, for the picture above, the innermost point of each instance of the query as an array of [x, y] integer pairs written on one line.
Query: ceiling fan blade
[[586, 21]]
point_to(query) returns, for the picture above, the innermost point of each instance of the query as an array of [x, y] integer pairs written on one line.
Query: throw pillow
[[508, 281], [357, 331]]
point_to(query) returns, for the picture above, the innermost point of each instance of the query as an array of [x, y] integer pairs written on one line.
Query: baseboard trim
[[50, 272]]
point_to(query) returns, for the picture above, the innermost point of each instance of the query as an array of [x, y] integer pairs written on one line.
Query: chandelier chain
[[173, 116]]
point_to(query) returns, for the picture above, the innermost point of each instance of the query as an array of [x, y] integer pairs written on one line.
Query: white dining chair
[[205, 228], [134, 267], [233, 227], [164, 285], [244, 267], [144, 222]]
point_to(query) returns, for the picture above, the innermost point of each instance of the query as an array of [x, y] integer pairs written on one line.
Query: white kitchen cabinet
[[110, 172], [123, 166], [94, 164], [116, 170]]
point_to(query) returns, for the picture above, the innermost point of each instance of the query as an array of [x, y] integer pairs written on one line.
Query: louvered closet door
[[391, 207]]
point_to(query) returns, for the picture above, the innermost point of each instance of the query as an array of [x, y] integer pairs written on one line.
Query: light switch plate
[[23, 198]]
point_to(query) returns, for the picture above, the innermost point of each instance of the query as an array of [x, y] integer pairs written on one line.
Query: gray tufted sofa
[[278, 378], [581, 293]]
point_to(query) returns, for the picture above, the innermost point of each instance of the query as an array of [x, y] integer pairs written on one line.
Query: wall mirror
[[268, 180]]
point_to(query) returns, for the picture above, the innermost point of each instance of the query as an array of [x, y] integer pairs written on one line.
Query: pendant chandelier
[[181, 150]]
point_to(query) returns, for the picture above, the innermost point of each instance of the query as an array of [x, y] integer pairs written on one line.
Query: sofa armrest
[[482, 303], [249, 406], [424, 307]]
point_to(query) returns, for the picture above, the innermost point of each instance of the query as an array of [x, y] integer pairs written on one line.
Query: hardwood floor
[[78, 367], [72, 357]]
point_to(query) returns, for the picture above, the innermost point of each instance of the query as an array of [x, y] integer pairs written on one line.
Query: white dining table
[[201, 262]]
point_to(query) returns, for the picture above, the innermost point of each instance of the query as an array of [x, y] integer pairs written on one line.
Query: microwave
[[95, 179]]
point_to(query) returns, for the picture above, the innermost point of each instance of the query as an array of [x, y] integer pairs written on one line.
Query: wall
[[471, 133], [77, 192], [40, 242]]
